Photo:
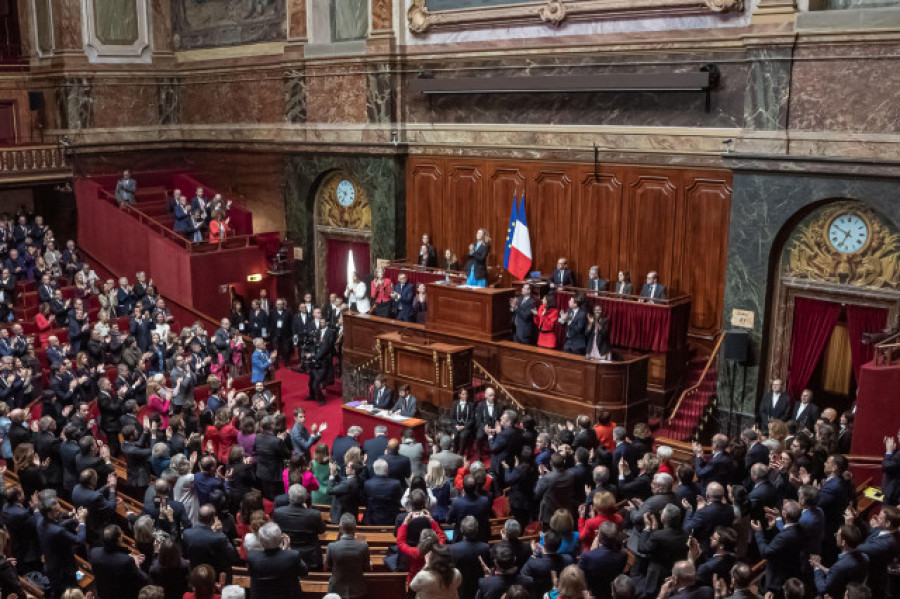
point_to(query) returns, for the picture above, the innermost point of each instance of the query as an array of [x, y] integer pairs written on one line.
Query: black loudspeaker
[[35, 101], [737, 345]]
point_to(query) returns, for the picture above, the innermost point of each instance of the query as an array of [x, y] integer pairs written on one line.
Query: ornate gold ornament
[[725, 5], [553, 12], [340, 210], [846, 244]]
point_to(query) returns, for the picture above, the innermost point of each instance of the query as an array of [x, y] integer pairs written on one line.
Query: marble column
[[380, 94], [74, 102], [169, 106], [768, 89], [295, 96]]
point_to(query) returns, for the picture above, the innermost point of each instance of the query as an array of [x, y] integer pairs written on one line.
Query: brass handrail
[[884, 350], [481, 369], [693, 388]]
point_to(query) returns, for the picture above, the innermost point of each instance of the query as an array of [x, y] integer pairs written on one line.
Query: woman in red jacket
[[158, 405], [218, 227], [222, 435], [546, 321], [43, 322], [603, 509], [428, 538], [381, 294]]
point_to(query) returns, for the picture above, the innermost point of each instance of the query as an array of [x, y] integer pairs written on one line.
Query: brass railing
[[693, 388], [27, 161], [495, 383], [886, 350]]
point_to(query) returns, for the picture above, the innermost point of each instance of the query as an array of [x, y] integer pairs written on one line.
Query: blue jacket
[[260, 365], [881, 547], [851, 566], [58, 545], [601, 566]]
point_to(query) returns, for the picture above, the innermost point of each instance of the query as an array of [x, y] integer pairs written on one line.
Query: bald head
[[715, 491], [684, 573]]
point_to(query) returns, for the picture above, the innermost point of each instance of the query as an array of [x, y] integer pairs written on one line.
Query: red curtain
[[863, 319], [336, 263], [814, 321]]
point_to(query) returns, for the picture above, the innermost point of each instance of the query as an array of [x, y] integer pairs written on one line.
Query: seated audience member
[[562, 276], [652, 289]]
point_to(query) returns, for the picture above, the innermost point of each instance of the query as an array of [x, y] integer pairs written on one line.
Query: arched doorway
[[836, 277], [343, 231]]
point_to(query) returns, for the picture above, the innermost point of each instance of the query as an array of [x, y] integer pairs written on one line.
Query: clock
[[346, 193], [848, 233]]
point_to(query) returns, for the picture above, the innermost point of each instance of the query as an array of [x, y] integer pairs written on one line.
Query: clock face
[[848, 233], [346, 193]]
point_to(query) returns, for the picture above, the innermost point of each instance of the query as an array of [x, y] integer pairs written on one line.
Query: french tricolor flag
[[520, 248]]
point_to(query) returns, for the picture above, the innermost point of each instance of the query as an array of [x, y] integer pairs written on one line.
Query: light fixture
[[254, 278]]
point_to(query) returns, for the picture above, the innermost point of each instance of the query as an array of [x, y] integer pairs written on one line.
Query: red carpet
[[294, 394]]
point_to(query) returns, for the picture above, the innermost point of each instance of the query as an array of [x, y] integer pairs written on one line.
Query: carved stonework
[[492, 13], [815, 252], [725, 5], [553, 12]]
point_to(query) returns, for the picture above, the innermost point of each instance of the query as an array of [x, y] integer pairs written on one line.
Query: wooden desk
[[477, 312], [353, 415], [434, 371]]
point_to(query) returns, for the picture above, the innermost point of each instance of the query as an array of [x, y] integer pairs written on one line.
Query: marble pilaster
[[768, 89], [75, 103], [295, 96], [169, 107], [380, 92]]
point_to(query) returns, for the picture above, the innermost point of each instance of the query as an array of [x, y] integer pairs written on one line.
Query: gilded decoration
[[818, 251], [425, 15], [333, 214]]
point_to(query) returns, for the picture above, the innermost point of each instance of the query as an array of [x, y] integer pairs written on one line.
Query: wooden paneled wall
[[635, 218]]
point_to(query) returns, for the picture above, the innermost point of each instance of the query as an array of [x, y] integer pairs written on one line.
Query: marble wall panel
[[117, 104], [336, 94], [380, 100], [768, 88], [382, 12], [295, 96], [349, 20], [167, 100], [213, 23], [116, 21], [684, 109], [238, 97], [765, 207], [382, 177], [75, 103], [67, 24], [854, 90], [297, 19]]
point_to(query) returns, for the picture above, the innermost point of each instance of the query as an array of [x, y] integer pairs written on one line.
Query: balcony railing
[[33, 162]]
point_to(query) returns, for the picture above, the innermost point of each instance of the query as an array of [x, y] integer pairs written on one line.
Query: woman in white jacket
[[356, 294]]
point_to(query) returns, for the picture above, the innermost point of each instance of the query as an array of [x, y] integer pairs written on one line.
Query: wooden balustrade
[[29, 161]]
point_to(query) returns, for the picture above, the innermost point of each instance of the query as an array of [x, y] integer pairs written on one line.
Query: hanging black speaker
[[737, 345], [35, 101]]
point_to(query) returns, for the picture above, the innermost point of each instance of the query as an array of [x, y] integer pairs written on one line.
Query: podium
[[478, 312], [433, 371]]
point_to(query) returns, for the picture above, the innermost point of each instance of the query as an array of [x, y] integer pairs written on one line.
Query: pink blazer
[[160, 406]]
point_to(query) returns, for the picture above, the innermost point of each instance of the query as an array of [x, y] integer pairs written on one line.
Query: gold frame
[[861, 216], [421, 19]]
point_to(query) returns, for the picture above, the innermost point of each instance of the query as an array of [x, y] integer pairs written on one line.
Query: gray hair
[[380, 430], [181, 464], [298, 494], [160, 450], [476, 466], [380, 467], [671, 515], [601, 474], [446, 442], [619, 433], [513, 529], [269, 536], [663, 480], [664, 452], [233, 591], [773, 445], [354, 431]]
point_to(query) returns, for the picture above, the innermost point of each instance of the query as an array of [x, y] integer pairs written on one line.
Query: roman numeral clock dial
[[848, 233]]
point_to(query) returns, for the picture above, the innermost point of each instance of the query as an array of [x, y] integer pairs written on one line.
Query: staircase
[[691, 411]]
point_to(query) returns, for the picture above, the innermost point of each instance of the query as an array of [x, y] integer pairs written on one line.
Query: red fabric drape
[[863, 319], [336, 263], [814, 321], [641, 326]]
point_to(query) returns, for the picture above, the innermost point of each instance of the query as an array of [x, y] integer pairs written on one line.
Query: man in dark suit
[[466, 552], [116, 571], [46, 289], [719, 467], [506, 574], [524, 309], [380, 395], [757, 453], [343, 443], [347, 559], [321, 358], [207, 544], [505, 441], [302, 439], [487, 414], [806, 413], [683, 584], [852, 565], [399, 466], [775, 405], [835, 494], [709, 515], [276, 570], [99, 503], [46, 445], [303, 525], [168, 514], [19, 519], [623, 451], [604, 561], [344, 489], [406, 404], [652, 289], [58, 542], [384, 494], [471, 503], [882, 547], [661, 487], [595, 282], [137, 451], [280, 323], [271, 452], [662, 542], [554, 489], [403, 295], [301, 328], [374, 448], [575, 320], [764, 494], [785, 552], [890, 466], [562, 276], [462, 419]]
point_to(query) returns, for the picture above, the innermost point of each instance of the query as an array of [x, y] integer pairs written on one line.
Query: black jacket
[[115, 573], [383, 495], [303, 526], [202, 545], [785, 555], [465, 556], [271, 452], [275, 573], [137, 460]]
